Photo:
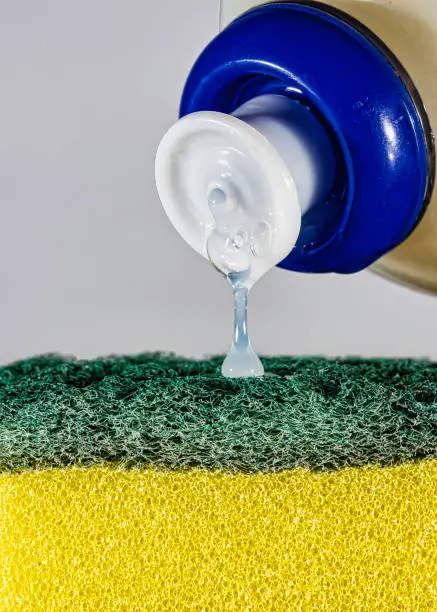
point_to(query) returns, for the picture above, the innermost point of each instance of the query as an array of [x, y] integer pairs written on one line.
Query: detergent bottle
[[325, 111]]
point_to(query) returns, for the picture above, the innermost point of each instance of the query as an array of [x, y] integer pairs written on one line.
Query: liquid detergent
[[303, 142]]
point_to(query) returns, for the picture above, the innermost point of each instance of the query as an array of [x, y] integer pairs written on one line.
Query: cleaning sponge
[[108, 500], [145, 540]]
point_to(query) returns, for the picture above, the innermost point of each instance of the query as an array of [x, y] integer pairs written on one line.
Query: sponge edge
[[116, 540], [175, 412]]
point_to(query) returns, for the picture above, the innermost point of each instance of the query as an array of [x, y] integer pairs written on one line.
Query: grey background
[[89, 264]]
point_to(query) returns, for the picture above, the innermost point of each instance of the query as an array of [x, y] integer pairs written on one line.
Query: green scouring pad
[[173, 412]]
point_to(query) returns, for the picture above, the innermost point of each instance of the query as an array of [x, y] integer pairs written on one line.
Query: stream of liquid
[[241, 360], [232, 246]]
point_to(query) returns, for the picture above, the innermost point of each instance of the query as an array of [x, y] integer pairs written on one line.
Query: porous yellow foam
[[114, 540]]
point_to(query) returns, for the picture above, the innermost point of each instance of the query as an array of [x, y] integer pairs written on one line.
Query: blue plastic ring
[[352, 82]]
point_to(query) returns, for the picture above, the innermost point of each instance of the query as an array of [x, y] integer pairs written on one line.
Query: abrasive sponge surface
[[173, 412]]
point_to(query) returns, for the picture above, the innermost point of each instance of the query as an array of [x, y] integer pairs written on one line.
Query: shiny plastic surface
[[384, 153]]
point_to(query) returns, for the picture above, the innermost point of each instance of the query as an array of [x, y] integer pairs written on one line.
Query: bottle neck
[[301, 141]]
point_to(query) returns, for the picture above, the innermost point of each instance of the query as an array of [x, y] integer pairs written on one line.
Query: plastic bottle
[[362, 73]]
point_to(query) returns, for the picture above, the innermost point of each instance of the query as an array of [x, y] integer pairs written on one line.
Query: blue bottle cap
[[353, 84]]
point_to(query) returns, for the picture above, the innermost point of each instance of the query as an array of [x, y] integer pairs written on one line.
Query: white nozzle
[[235, 186], [299, 138]]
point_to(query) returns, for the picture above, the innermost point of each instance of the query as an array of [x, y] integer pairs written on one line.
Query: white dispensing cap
[[252, 174]]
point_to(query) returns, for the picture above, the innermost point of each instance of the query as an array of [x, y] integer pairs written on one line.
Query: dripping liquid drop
[[232, 245]]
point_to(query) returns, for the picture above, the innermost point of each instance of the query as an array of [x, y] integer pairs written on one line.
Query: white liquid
[[232, 246], [241, 360]]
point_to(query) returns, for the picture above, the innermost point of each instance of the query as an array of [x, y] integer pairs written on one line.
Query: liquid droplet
[[231, 248], [241, 360], [261, 239], [224, 256], [239, 239]]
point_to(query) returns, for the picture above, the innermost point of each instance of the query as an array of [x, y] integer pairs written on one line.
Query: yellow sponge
[[116, 540]]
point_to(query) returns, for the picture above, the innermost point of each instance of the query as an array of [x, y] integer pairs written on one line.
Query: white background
[[89, 264]]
